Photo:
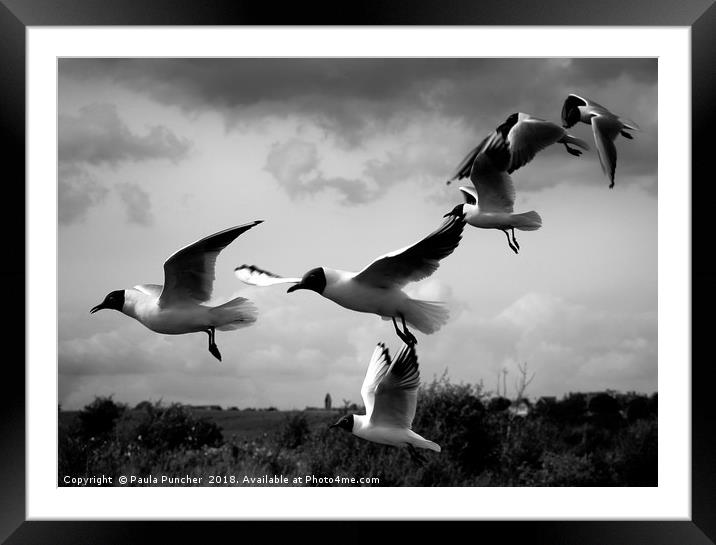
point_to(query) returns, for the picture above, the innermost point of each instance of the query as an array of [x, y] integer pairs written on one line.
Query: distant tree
[[604, 411], [522, 381], [545, 406], [143, 406], [637, 408], [571, 408], [603, 404], [498, 404]]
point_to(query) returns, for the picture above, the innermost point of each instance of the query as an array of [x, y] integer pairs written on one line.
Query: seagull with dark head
[[377, 289], [176, 307], [524, 136], [390, 396], [489, 203], [605, 127]]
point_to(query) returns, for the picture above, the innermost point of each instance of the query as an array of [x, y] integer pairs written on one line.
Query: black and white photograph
[[384, 272]]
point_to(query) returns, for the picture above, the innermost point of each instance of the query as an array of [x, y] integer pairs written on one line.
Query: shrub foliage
[[580, 440]]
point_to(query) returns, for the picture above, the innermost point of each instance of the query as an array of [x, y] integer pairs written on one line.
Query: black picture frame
[[17, 15]]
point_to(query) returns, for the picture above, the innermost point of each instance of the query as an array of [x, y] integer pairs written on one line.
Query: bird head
[[114, 300], [345, 422], [314, 280], [506, 127], [570, 111], [458, 211]]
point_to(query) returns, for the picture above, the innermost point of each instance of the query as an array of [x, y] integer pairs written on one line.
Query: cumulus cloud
[[296, 167], [95, 137], [77, 192], [98, 135], [137, 204], [263, 367], [569, 346], [357, 101]]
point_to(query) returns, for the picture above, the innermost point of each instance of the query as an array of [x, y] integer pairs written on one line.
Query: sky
[[346, 160]]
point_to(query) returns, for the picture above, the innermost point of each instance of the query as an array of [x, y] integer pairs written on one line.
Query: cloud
[[77, 192], [354, 97], [402, 119], [296, 167], [97, 135], [569, 346], [263, 367], [322, 347], [137, 204]]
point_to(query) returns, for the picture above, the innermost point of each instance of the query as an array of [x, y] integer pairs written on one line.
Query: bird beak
[[95, 309], [448, 214], [332, 426], [295, 287]]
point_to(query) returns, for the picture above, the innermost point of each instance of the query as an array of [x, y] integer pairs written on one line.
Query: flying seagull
[[176, 307], [524, 136], [605, 126], [490, 204], [377, 289], [390, 395]]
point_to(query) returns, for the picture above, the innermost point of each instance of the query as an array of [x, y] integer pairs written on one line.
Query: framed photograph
[[545, 374]]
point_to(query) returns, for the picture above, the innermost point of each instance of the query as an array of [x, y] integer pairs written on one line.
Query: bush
[[97, 419], [167, 428], [294, 432], [559, 443]]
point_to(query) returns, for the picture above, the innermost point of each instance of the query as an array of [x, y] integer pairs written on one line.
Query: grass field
[[245, 425]]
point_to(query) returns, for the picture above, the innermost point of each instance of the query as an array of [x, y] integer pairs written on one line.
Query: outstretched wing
[[493, 185], [606, 129], [189, 273], [529, 136], [414, 262], [377, 368], [250, 274], [463, 169], [396, 396]]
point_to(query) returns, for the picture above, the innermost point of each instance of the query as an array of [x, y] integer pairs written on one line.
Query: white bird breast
[[173, 320], [362, 298]]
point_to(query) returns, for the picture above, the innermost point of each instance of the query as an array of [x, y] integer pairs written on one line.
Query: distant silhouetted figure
[[328, 401]]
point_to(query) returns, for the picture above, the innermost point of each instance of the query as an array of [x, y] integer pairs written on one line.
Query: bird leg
[[418, 458], [399, 333], [212, 344], [412, 341], [573, 151], [514, 239], [509, 241], [406, 336]]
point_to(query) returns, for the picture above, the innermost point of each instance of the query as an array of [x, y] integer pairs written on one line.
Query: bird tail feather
[[426, 316], [529, 221], [420, 442], [239, 312], [430, 445]]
